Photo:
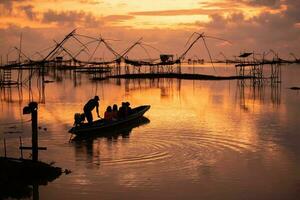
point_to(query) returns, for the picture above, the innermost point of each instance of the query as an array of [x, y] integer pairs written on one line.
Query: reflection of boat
[[122, 131], [102, 125]]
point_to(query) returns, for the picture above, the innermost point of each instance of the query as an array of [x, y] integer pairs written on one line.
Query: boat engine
[[79, 118]]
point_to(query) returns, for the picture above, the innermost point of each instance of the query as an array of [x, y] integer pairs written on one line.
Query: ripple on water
[[175, 152]]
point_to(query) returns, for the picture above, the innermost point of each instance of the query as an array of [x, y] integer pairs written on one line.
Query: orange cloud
[[117, 18], [71, 18], [92, 2], [197, 11], [251, 24]]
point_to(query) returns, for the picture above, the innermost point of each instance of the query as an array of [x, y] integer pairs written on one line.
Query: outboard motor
[[79, 118]]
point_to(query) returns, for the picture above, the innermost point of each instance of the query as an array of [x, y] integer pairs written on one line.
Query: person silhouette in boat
[[127, 109], [115, 112], [89, 106], [108, 113], [124, 110]]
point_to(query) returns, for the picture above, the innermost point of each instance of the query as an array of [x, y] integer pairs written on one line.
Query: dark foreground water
[[205, 139]]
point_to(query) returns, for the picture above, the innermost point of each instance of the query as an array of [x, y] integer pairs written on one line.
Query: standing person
[[89, 106]]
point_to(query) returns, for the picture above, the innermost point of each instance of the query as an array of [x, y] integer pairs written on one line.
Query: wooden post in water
[[21, 145], [4, 147], [32, 109], [34, 134]]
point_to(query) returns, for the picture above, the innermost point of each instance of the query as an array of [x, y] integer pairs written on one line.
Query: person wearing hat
[[128, 108], [89, 106]]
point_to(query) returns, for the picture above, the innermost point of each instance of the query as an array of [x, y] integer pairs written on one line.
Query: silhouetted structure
[[16, 175]]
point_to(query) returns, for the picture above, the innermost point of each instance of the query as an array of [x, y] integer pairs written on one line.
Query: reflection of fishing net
[[79, 118]]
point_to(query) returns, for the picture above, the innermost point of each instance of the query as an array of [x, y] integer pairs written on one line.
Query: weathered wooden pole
[[32, 109], [21, 145], [34, 138], [4, 142]]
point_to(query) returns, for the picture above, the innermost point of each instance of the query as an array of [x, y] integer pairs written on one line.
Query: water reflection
[[17, 190], [249, 93], [11, 94], [89, 144], [206, 139], [167, 86]]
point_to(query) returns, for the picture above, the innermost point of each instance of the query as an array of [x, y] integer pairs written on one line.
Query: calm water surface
[[205, 139]]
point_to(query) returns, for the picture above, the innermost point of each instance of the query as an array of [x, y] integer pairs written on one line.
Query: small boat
[[103, 125]]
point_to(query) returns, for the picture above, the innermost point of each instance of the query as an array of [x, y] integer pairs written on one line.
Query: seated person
[[128, 108], [115, 112], [122, 111], [108, 113]]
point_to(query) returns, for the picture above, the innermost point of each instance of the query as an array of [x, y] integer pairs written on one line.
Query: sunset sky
[[250, 25]]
